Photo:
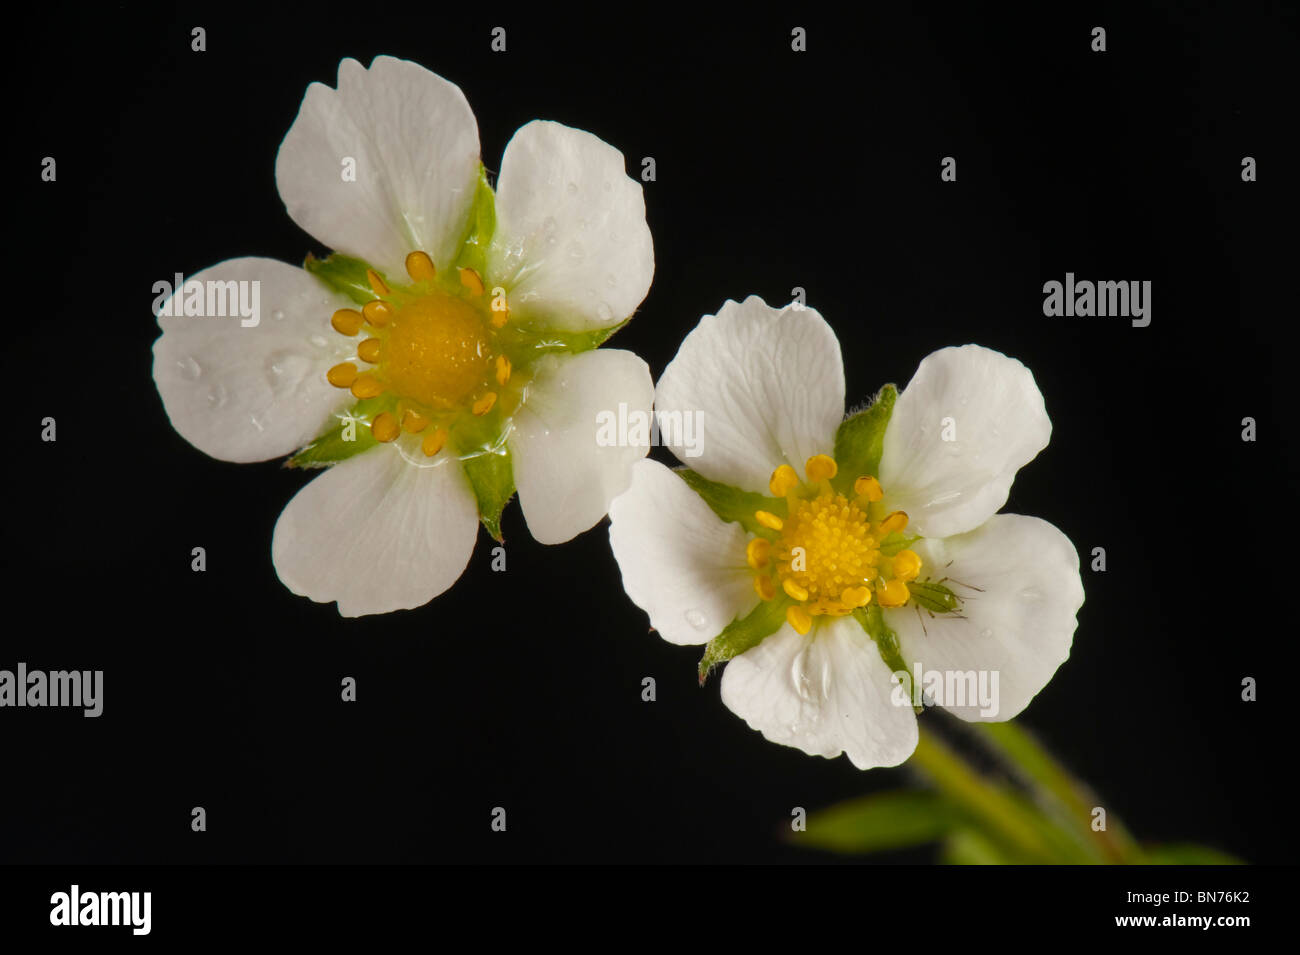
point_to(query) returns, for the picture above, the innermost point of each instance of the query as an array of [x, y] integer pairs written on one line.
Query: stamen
[[894, 594], [384, 427], [342, 376], [766, 589], [503, 369], [368, 350], [376, 283], [798, 618], [868, 487], [757, 552], [433, 442], [420, 267], [500, 314], [377, 314], [769, 520], [347, 321], [484, 404], [794, 590], [855, 597], [471, 280], [907, 564], [784, 480], [820, 467], [367, 386], [413, 422], [895, 521]]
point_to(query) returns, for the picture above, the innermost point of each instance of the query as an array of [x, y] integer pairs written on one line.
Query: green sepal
[[492, 476], [482, 225], [933, 597], [543, 340], [897, 819], [731, 503], [873, 622], [331, 447], [345, 275], [743, 634], [860, 439], [896, 541]]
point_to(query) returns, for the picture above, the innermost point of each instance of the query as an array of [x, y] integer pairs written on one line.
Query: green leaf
[[731, 503], [741, 635], [933, 597], [881, 821], [482, 224], [333, 445], [343, 274], [971, 847], [492, 476], [873, 621], [1188, 854], [860, 439]]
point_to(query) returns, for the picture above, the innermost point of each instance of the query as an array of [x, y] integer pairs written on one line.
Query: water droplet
[[261, 420], [551, 240], [278, 315], [582, 224], [576, 253], [285, 370], [605, 313], [1031, 594], [189, 368], [613, 237], [696, 619], [962, 400], [611, 280], [549, 223], [986, 633], [573, 188], [320, 341], [217, 395]]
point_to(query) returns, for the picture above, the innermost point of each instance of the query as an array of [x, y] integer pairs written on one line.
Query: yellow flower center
[[435, 349], [830, 554]]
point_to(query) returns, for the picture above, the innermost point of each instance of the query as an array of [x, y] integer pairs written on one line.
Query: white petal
[[249, 394], [565, 476], [1019, 623], [825, 693], [766, 386], [681, 563], [415, 145], [376, 533], [571, 244], [998, 424]]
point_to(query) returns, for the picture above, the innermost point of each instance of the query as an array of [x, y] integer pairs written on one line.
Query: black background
[[775, 170]]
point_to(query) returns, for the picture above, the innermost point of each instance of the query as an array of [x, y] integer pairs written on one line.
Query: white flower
[[479, 374], [827, 546]]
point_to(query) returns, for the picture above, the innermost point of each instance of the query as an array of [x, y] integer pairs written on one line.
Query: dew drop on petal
[[278, 315], [218, 396], [189, 368], [575, 252], [696, 619], [549, 223], [572, 188], [285, 370], [986, 633]]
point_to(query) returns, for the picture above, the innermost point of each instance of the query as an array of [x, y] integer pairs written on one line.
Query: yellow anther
[[471, 280], [376, 283], [869, 488], [855, 597], [820, 467], [907, 564], [769, 520], [347, 321], [798, 618], [384, 427], [413, 422], [794, 590], [368, 350], [765, 588], [367, 386], [433, 441], [420, 267], [757, 552], [377, 314], [484, 404], [895, 521], [894, 594], [500, 312], [784, 480], [503, 369], [342, 376]]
